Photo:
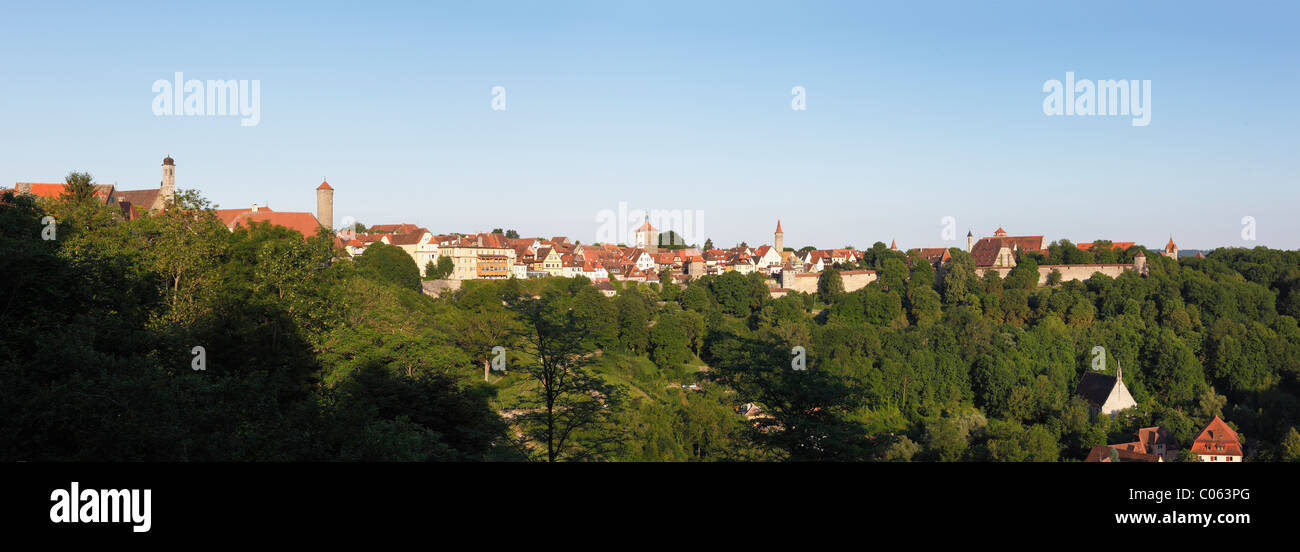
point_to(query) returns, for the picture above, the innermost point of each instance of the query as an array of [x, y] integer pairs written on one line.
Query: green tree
[[391, 264], [79, 187], [633, 322], [830, 285], [439, 270], [810, 410], [959, 278], [570, 413], [1291, 446]]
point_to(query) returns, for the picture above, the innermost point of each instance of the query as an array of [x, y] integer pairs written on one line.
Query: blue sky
[[915, 111]]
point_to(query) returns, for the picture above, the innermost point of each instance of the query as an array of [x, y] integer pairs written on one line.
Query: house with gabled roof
[[767, 259], [936, 256], [1152, 440], [1000, 250], [420, 244], [1218, 442]]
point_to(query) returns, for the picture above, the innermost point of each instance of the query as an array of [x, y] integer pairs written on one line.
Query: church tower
[[167, 192], [778, 239], [970, 241], [325, 205]]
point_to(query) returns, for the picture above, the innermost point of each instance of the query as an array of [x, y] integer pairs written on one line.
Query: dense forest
[[307, 356]]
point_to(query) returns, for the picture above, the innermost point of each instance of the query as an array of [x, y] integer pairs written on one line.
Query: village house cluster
[[1107, 395], [492, 256]]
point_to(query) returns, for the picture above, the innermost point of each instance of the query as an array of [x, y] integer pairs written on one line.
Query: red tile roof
[[1151, 436], [304, 223], [54, 191], [1118, 246], [985, 251], [408, 238], [393, 228], [933, 255], [778, 226], [1101, 453], [324, 185], [1217, 439]]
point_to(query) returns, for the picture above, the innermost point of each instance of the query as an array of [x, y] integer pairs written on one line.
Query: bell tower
[[167, 191]]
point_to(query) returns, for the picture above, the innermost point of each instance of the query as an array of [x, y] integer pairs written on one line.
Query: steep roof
[[142, 198], [324, 185], [933, 255], [985, 251], [1151, 436], [409, 238], [1095, 388], [778, 226], [1217, 434]]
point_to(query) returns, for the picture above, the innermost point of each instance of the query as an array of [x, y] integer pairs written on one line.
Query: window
[[1214, 458]]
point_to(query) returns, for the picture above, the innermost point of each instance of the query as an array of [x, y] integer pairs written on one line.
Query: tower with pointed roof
[[325, 204], [647, 236], [778, 239], [970, 240], [1171, 249]]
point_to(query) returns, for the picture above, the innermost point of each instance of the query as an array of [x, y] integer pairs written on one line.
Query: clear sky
[[915, 111]]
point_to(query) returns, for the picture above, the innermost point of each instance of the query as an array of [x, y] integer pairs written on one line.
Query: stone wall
[[853, 280], [1068, 272], [437, 287]]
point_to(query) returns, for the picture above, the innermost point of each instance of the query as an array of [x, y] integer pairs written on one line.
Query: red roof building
[[304, 223], [1217, 443]]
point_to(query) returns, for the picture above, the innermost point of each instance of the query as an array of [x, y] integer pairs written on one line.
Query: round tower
[[778, 239], [325, 205]]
